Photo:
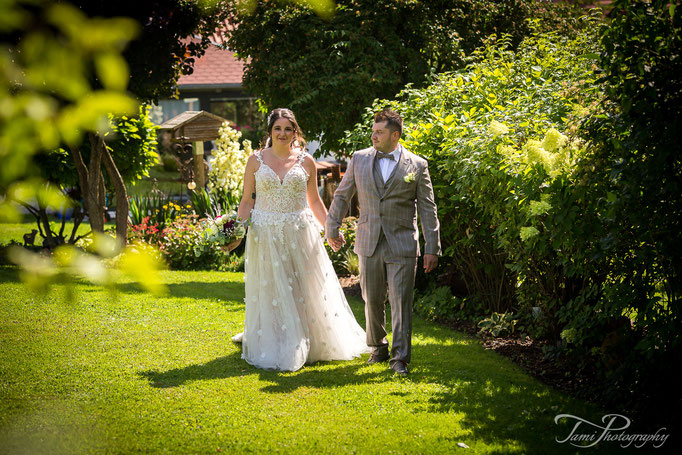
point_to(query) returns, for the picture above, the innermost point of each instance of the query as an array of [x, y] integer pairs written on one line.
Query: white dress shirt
[[387, 165]]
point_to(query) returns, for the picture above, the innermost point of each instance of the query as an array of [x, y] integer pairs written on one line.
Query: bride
[[296, 312]]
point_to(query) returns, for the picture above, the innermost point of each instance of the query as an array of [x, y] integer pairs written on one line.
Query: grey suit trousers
[[383, 272]]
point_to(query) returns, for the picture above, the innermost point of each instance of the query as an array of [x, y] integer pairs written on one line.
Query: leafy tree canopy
[[173, 34], [329, 69]]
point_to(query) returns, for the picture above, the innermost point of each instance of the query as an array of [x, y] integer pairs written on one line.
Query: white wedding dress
[[296, 312]]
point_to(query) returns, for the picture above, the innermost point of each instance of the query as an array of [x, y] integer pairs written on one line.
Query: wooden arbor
[[195, 127]]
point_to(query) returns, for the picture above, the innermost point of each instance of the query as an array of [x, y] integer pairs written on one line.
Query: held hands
[[336, 242], [430, 262]]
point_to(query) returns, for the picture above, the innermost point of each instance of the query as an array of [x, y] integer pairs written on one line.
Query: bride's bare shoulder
[[252, 163]]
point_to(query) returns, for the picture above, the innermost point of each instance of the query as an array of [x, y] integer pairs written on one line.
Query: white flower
[[409, 178], [284, 327], [539, 207], [553, 140], [274, 302], [497, 129], [528, 232]]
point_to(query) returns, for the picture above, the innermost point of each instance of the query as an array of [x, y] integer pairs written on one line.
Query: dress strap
[[259, 156], [301, 156]]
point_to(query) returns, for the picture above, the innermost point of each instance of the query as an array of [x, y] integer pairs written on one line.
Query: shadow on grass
[[220, 368], [496, 402], [227, 292], [9, 274], [343, 373]]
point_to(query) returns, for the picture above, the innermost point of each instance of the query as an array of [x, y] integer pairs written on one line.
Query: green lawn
[[164, 183], [134, 373], [16, 231]]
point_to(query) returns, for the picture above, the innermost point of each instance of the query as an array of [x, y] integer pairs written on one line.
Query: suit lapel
[[370, 169]]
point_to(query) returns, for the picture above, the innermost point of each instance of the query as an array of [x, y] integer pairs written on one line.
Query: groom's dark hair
[[395, 121]]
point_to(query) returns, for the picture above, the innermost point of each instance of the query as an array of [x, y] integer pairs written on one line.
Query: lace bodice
[[277, 201]]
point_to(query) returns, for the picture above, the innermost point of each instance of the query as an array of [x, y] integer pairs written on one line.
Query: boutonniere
[[409, 178]]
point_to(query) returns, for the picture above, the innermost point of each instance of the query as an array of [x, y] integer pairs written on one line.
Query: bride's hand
[[231, 246], [336, 242]]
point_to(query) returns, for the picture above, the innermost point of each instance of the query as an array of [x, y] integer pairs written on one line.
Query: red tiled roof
[[215, 68]]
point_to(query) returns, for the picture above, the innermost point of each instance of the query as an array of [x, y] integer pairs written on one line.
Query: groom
[[393, 185]]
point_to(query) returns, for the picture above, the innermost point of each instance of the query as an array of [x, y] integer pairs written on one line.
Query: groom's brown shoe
[[399, 367], [376, 357]]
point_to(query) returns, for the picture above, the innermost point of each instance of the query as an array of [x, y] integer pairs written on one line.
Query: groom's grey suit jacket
[[391, 206]]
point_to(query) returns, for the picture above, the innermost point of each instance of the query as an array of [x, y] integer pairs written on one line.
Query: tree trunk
[[82, 171], [121, 196], [92, 194]]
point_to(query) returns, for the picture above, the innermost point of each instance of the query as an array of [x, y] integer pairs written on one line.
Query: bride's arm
[[249, 194], [314, 201]]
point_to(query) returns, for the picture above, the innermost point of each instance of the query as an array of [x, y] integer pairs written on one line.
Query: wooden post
[[198, 160]]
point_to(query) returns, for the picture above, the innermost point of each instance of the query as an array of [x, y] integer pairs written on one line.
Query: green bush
[[184, 248], [636, 166], [169, 162], [498, 324], [438, 304], [634, 180], [504, 199]]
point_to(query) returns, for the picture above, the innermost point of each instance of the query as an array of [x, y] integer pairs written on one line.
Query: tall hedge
[[502, 186], [558, 180]]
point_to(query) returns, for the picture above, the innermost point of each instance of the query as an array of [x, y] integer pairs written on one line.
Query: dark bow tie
[[388, 156]]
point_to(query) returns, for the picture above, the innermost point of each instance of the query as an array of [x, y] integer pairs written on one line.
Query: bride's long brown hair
[[297, 142]]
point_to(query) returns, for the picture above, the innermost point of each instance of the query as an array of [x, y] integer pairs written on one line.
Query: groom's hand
[[430, 262]]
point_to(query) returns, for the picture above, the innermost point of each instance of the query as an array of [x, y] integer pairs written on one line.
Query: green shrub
[[438, 304], [636, 165], [169, 162], [184, 247], [212, 203], [498, 324], [351, 263], [505, 200]]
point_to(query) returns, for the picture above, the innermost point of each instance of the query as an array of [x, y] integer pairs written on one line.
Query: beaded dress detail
[[296, 312]]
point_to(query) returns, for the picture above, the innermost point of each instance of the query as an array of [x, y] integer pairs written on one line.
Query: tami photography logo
[[585, 434]]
